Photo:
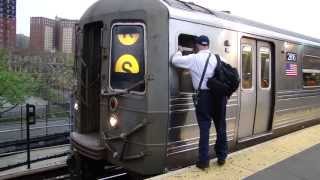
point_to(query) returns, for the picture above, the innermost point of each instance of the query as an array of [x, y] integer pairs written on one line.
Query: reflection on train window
[[127, 66], [265, 67], [311, 62], [188, 44], [246, 67], [311, 77], [311, 70]]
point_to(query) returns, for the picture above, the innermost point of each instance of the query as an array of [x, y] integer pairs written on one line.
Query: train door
[[255, 90]]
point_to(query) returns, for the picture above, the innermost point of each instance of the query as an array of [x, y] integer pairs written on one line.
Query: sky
[[300, 16]]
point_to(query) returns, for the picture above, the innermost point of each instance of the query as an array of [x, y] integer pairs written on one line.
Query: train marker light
[[127, 63], [128, 39], [113, 121], [113, 104]]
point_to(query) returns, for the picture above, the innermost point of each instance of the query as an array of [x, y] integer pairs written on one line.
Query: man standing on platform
[[208, 105]]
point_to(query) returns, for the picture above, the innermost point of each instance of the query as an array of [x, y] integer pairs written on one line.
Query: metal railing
[[50, 119], [23, 130]]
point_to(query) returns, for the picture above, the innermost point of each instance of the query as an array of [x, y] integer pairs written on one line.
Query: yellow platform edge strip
[[249, 161]]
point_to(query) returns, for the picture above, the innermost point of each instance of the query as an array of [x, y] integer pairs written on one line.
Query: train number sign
[[291, 57]]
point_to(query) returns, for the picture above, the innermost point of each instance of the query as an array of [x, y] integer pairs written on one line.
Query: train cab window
[[127, 64], [311, 71], [265, 67], [246, 67], [187, 42]]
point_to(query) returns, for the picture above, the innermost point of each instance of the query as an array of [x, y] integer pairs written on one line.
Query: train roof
[[194, 13], [192, 7]]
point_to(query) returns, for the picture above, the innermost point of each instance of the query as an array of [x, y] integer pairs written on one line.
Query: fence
[[50, 119]]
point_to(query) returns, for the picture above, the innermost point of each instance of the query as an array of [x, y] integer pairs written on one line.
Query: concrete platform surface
[[245, 163], [303, 166]]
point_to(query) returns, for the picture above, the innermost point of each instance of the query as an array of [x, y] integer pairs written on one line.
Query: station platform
[[295, 156]]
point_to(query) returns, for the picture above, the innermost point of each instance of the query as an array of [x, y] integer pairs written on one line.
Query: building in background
[[7, 24], [22, 41], [52, 35], [65, 35], [42, 34]]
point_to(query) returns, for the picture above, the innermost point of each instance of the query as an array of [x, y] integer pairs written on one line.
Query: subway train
[[134, 110]]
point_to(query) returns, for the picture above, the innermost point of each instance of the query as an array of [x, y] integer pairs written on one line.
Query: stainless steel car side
[[135, 110]]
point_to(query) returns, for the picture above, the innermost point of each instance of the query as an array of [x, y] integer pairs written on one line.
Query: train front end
[[121, 99]]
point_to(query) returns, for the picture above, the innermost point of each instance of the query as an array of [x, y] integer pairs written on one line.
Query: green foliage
[[14, 87]]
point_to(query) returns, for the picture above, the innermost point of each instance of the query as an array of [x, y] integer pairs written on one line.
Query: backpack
[[225, 80]]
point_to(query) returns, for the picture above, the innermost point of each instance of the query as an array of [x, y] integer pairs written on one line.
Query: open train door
[[255, 89]]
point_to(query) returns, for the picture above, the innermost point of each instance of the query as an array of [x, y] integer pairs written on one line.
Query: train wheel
[[82, 168], [73, 167]]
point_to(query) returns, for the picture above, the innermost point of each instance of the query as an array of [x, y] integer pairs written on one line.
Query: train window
[[246, 67], [187, 42], [265, 67], [311, 77], [311, 71], [127, 65]]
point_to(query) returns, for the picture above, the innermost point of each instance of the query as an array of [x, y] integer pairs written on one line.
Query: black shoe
[[202, 165], [221, 162]]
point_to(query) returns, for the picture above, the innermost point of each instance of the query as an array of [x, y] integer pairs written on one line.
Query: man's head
[[202, 42]]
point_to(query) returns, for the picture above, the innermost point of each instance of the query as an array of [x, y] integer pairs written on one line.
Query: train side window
[[188, 45], [311, 71], [187, 42], [246, 54], [265, 67], [311, 78]]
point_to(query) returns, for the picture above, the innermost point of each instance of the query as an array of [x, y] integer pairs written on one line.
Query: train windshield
[[127, 65]]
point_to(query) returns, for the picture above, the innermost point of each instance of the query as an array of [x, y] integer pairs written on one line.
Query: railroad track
[[37, 142], [61, 172], [48, 173]]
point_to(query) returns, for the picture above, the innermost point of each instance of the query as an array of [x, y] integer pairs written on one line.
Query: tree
[[14, 86]]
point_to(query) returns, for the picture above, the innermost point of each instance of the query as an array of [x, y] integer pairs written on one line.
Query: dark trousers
[[211, 107]]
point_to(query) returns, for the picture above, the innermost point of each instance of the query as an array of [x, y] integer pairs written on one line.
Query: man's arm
[[185, 62]]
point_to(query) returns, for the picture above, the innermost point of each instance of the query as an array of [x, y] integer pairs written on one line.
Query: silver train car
[[134, 110]]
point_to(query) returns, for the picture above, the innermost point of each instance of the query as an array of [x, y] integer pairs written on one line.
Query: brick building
[[7, 24], [52, 35], [42, 34]]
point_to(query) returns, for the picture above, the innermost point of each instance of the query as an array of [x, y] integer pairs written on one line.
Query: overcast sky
[[300, 16]]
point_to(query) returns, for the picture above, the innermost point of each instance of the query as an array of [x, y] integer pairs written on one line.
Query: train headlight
[[76, 106], [113, 121]]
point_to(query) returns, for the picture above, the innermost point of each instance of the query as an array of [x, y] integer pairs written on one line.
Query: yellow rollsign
[[127, 63], [128, 39]]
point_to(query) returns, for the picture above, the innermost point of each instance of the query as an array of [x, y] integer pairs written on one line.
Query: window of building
[[311, 71]]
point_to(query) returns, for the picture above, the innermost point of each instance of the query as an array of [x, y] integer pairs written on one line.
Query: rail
[[35, 128]]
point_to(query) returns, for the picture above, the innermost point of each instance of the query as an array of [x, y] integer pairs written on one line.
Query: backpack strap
[[218, 60], [203, 73], [218, 64]]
